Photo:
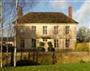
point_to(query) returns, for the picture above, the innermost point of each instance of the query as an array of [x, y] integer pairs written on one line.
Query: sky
[[81, 9]]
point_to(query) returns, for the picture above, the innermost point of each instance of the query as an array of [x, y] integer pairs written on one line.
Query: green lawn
[[57, 67]]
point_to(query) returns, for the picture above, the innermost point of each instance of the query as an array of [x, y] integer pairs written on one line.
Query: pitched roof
[[45, 17]]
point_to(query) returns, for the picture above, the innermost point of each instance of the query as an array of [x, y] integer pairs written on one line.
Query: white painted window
[[44, 29], [67, 29], [33, 43], [22, 43], [55, 29], [34, 29], [67, 43]]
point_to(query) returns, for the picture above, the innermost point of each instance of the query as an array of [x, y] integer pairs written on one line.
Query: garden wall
[[48, 57]]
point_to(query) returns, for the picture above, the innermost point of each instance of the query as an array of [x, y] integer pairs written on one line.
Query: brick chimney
[[70, 11], [19, 11]]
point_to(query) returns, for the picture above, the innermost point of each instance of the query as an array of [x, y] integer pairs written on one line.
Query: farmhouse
[[54, 27]]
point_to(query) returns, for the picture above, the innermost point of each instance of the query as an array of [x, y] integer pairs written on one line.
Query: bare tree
[[10, 15], [1, 30]]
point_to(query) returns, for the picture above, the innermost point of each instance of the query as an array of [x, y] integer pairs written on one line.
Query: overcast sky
[[81, 9]]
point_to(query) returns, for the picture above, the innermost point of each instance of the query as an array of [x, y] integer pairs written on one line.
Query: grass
[[57, 67]]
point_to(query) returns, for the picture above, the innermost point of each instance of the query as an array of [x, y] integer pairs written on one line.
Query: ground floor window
[[67, 43], [22, 43], [33, 42], [56, 44]]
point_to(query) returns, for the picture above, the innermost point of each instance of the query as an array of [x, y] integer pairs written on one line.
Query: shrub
[[42, 49], [41, 44], [51, 49], [82, 61], [50, 44], [33, 49]]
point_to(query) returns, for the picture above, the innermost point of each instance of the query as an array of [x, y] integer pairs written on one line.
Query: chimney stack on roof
[[70, 11]]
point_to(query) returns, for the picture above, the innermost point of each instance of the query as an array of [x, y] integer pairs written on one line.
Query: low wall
[[72, 57], [48, 57]]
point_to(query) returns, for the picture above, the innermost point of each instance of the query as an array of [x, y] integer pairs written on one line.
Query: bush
[[42, 49], [41, 44], [82, 61], [33, 49], [50, 44], [51, 49]]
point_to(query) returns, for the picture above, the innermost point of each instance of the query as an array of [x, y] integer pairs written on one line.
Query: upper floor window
[[34, 29], [44, 29], [67, 28], [55, 29]]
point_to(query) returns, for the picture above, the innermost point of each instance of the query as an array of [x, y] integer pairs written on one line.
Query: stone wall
[[48, 57], [25, 32]]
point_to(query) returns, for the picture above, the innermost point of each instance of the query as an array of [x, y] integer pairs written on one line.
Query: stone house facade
[[54, 27]]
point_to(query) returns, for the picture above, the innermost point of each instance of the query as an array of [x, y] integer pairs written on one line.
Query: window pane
[[44, 29], [67, 29], [56, 44], [33, 42], [55, 29], [22, 43], [67, 43], [34, 29]]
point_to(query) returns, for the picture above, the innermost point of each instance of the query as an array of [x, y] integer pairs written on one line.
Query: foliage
[[33, 49], [42, 49], [82, 61], [50, 44], [41, 44], [83, 35], [50, 48]]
